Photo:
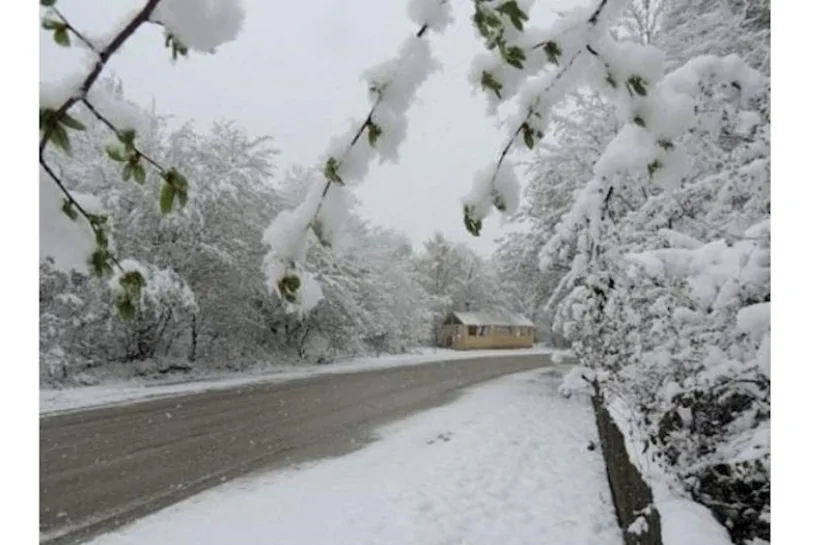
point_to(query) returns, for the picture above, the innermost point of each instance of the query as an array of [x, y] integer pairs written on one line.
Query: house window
[[472, 331]]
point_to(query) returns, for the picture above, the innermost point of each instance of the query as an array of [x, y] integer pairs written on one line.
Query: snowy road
[[506, 464], [102, 468]]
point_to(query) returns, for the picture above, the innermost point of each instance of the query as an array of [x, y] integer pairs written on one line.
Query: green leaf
[[499, 202], [178, 184], [127, 172], [492, 21], [47, 3], [553, 52], [139, 173], [486, 22], [114, 153], [471, 223], [132, 282], [166, 200], [330, 171], [654, 166], [72, 123], [528, 135], [176, 46], [374, 132], [125, 307], [61, 36], [59, 137], [99, 262], [489, 81], [45, 116], [69, 209], [100, 236], [127, 137], [288, 287], [639, 121], [512, 10], [51, 24], [98, 222], [514, 56], [638, 85]]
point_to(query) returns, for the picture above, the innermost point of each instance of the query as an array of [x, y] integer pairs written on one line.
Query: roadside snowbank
[[85, 397], [505, 464]]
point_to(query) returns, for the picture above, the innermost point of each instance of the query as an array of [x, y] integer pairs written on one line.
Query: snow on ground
[[52, 401], [506, 464]]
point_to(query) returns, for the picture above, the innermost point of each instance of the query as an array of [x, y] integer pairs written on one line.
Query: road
[[102, 468]]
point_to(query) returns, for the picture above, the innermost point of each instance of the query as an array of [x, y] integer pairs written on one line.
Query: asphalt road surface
[[102, 468]]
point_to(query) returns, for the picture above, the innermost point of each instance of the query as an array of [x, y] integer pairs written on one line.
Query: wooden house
[[480, 330]]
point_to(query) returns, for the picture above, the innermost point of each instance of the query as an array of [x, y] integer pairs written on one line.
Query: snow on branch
[[392, 87], [565, 46]]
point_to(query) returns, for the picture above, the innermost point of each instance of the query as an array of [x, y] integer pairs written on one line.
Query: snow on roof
[[493, 318]]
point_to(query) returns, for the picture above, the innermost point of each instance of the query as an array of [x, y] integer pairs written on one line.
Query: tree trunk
[[194, 337]]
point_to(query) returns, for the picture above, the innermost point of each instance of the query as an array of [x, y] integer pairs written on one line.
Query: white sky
[[294, 74]]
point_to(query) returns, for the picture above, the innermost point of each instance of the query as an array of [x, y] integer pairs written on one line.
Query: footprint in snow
[[445, 437]]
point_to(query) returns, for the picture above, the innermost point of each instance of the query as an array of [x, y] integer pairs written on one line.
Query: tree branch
[[75, 31], [103, 57], [75, 204], [115, 130]]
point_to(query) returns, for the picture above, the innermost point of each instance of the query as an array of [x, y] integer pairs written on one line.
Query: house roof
[[493, 318]]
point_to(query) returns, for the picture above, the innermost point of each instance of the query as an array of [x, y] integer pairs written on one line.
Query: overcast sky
[[294, 74]]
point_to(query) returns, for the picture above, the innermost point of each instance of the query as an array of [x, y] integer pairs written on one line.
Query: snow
[[119, 112], [682, 521], [506, 186], [72, 399], [309, 294], [437, 14], [68, 242], [494, 318], [755, 319], [638, 527], [506, 464], [202, 25], [54, 93], [286, 236], [479, 199], [496, 182]]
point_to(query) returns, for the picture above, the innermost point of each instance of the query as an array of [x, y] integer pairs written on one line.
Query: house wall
[[452, 335], [462, 340]]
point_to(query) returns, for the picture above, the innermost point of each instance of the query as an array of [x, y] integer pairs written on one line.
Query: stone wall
[[632, 497]]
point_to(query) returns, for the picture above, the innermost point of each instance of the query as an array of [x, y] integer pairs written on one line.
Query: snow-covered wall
[[633, 500]]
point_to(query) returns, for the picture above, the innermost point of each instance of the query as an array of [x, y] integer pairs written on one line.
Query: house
[[476, 330]]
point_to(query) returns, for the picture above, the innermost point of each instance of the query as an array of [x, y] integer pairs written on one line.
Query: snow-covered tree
[[665, 231], [456, 278]]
